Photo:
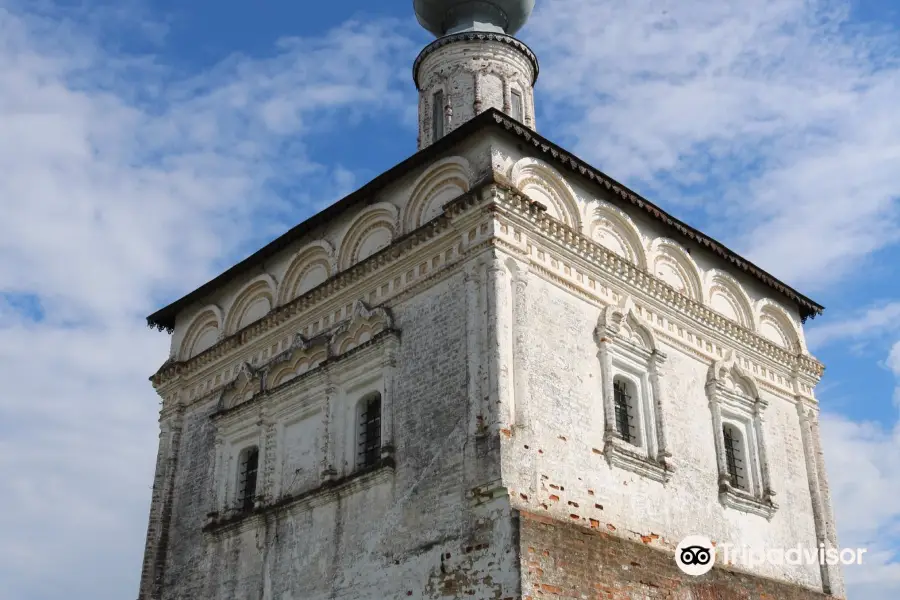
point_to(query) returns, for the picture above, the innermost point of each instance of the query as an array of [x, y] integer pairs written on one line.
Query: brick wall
[[561, 560]]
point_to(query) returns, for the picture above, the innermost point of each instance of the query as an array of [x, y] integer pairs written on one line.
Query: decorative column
[[268, 451], [499, 337], [807, 415], [835, 576], [520, 348], [218, 482], [153, 568], [389, 368], [759, 407], [657, 359], [477, 104], [716, 410], [473, 348], [327, 461], [606, 387]]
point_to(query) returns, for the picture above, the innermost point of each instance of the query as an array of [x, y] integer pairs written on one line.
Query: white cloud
[[120, 183], [775, 116], [865, 481], [875, 321]]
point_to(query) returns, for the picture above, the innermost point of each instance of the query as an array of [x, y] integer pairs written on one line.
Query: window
[[369, 432], [631, 398], [437, 116], [624, 410], [737, 415], [516, 105], [249, 466], [734, 457]]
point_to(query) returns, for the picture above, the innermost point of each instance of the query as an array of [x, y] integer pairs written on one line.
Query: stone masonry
[[499, 298]]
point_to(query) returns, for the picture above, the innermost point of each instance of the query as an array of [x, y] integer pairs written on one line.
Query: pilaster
[[832, 580], [156, 545], [501, 409], [520, 348]]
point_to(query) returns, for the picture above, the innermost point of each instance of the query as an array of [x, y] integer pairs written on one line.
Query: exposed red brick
[[602, 566]]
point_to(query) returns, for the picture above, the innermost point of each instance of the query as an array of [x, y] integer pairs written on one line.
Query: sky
[[146, 145]]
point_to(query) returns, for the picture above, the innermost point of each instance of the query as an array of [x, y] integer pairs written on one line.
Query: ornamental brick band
[[562, 560]]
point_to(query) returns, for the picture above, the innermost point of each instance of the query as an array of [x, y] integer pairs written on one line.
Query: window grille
[[369, 445], [247, 477], [623, 411], [733, 461]]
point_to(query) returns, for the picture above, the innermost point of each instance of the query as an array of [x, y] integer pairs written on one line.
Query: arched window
[[623, 399], [734, 457], [247, 471], [369, 431]]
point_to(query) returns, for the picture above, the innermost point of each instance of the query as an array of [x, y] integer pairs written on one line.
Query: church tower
[[474, 64], [493, 372]]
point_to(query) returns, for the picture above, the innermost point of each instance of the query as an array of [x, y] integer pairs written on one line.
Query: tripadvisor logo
[[695, 555]]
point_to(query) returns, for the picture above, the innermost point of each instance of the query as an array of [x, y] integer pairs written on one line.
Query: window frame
[[517, 105], [243, 500], [735, 402], [628, 351], [364, 458]]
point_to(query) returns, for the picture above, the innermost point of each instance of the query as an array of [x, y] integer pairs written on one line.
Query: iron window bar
[[733, 462], [623, 412], [369, 451], [248, 476]]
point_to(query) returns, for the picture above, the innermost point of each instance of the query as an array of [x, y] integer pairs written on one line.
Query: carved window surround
[[628, 350], [734, 401], [357, 357]]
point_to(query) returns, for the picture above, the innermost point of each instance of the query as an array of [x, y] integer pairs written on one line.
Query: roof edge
[[164, 318]]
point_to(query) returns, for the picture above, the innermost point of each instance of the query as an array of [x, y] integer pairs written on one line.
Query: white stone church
[[493, 372]]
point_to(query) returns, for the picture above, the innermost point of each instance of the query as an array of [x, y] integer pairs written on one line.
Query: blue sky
[[148, 144]]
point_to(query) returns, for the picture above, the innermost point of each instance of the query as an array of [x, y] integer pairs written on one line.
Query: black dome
[[441, 17]]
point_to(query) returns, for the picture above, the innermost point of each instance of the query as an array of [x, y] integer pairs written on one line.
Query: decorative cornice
[[809, 309], [585, 249], [164, 319], [475, 36], [341, 281]]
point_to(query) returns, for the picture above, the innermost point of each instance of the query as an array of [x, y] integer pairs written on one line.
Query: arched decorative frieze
[[370, 232], [542, 183], [311, 266], [203, 333], [363, 325], [670, 262], [725, 295], [445, 180], [251, 304], [776, 325], [301, 363], [613, 229], [246, 384]]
